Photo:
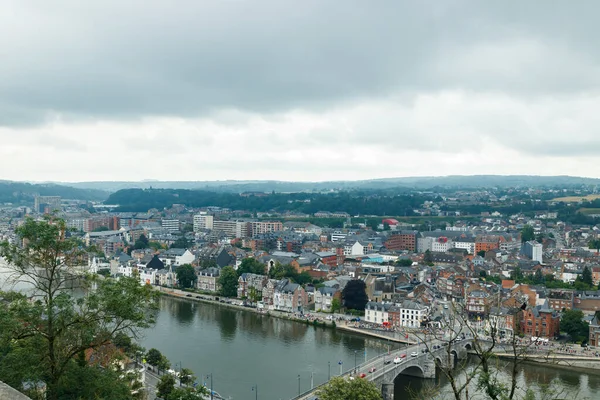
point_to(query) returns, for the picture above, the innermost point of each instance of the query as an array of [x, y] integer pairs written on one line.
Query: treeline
[[24, 193], [354, 203]]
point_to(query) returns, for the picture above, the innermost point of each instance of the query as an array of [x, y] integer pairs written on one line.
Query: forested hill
[[23, 193], [352, 203]]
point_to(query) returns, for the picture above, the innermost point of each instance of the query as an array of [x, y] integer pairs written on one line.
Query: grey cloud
[[127, 60]]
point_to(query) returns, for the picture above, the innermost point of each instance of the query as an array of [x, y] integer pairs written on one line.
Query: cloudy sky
[[297, 90]]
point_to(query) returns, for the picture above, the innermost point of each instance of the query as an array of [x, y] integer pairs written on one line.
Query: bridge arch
[[454, 355], [468, 347], [412, 370]]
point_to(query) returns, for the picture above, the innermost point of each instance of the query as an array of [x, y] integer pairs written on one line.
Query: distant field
[[589, 211], [572, 199]]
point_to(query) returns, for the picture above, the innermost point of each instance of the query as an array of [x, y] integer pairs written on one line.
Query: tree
[[527, 233], [404, 262], [254, 295], [181, 243], [481, 253], [165, 386], [188, 393], [355, 295], [573, 324], [427, 257], [228, 280], [186, 276], [336, 305], [586, 276], [186, 376], [54, 325], [153, 356], [339, 388], [141, 242], [251, 265]]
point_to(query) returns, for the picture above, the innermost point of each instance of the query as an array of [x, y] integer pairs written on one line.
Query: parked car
[[362, 375], [188, 295], [386, 362]]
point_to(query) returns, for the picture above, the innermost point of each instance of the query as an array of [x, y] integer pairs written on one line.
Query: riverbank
[[586, 364], [203, 298]]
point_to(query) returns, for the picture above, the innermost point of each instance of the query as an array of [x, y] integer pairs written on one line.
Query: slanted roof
[[155, 263]]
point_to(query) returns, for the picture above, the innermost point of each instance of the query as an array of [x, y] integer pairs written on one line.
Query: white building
[[377, 313], [412, 313], [203, 221], [172, 225], [533, 250]]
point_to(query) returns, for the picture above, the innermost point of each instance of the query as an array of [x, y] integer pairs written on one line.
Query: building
[[486, 243], [411, 314], [402, 241], [533, 250], [248, 282], [208, 279], [46, 204], [236, 229], [540, 322], [111, 223], [171, 225], [377, 313], [561, 299], [324, 298], [505, 320], [477, 303], [261, 227], [202, 221]]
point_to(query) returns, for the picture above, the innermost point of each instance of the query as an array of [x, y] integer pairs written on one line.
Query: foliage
[[586, 276], [336, 305], [251, 265], [404, 262], [340, 388], [186, 276], [354, 203], [181, 243], [427, 257], [527, 233], [186, 376], [53, 325], [141, 242], [573, 324], [355, 295], [228, 279], [280, 271], [153, 356], [254, 295], [165, 386], [204, 264]]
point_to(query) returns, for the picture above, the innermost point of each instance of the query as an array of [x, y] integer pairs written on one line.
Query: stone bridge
[[423, 365]]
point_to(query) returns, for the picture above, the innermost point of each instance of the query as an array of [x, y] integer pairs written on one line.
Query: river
[[242, 349]]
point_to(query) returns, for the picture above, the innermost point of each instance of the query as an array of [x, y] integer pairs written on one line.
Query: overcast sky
[[297, 90]]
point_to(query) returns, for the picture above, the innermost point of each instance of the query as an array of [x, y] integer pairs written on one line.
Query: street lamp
[[255, 390], [179, 372], [298, 384], [355, 353], [328, 371], [211, 385]]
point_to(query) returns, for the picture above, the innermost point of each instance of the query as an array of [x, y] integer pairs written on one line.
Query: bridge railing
[[349, 372]]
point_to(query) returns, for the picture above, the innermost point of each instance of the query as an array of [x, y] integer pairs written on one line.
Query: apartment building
[[402, 241], [202, 221]]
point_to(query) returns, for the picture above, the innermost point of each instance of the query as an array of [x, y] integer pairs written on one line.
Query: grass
[[572, 199]]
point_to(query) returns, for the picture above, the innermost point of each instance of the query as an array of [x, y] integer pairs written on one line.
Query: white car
[[414, 354], [397, 360]]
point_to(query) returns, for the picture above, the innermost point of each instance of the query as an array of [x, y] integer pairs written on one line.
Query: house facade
[[208, 279]]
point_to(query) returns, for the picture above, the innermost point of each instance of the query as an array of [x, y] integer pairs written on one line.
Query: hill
[[22, 193], [406, 184]]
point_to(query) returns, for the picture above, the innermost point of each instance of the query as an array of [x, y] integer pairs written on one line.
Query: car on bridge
[[372, 369], [397, 360], [414, 354]]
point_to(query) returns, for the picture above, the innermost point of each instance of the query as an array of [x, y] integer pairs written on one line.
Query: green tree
[[254, 295], [339, 388], [355, 295], [586, 276], [404, 262], [228, 279], [251, 265], [204, 264], [153, 356], [481, 253], [141, 242], [188, 393], [186, 376], [165, 386], [186, 276], [181, 243], [427, 257], [336, 305], [527, 233], [538, 277], [573, 324], [54, 325]]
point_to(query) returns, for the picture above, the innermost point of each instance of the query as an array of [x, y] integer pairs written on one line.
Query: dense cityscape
[[528, 274]]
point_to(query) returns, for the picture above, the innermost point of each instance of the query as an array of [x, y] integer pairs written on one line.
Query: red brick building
[[540, 322], [402, 241], [486, 243]]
